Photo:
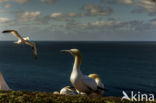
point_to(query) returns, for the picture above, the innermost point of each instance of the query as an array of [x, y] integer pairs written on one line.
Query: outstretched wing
[[15, 33], [90, 83], [33, 45]]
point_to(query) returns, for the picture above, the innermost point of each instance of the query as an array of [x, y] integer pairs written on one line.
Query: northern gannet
[[56, 92], [68, 91], [98, 82], [3, 84], [82, 83], [22, 40]]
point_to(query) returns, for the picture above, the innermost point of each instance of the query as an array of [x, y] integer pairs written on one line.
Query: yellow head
[[69, 87], [94, 76], [74, 52]]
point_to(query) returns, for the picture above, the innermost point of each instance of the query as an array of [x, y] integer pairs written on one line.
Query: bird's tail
[[26, 38]]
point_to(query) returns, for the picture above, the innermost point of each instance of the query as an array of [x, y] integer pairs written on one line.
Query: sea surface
[[128, 66]]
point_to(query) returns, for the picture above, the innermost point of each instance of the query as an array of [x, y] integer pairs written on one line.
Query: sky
[[79, 20]]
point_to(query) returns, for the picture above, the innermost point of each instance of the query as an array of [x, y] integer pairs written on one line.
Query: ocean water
[[128, 66]]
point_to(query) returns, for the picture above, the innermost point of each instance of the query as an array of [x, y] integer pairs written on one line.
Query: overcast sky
[[95, 20]]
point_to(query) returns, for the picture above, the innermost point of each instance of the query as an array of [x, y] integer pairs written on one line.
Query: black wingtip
[[3, 31], [6, 31]]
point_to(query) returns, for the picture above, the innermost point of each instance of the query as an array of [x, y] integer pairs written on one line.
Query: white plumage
[[82, 83], [99, 83], [22, 40], [68, 91], [56, 92]]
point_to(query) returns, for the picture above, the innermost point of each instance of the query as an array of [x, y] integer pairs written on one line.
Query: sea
[[122, 66]]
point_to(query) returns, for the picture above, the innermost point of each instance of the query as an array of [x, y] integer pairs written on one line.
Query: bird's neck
[[97, 79], [77, 63]]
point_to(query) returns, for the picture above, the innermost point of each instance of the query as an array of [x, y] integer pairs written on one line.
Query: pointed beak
[[65, 51]]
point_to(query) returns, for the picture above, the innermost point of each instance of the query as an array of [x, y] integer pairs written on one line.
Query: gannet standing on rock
[[22, 40], [68, 91], [98, 82], [82, 83], [3, 84]]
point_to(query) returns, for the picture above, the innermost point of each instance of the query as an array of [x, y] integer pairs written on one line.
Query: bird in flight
[[23, 40]]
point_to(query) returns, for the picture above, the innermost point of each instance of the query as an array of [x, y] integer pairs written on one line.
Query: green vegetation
[[46, 97]]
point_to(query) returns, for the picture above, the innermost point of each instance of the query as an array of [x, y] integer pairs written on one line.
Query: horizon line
[[82, 41]]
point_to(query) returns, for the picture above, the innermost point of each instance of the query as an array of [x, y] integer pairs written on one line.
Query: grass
[[47, 97]]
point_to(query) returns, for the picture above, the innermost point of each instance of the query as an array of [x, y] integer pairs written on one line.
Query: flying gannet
[[99, 83], [22, 40], [82, 83], [3, 84], [68, 91]]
